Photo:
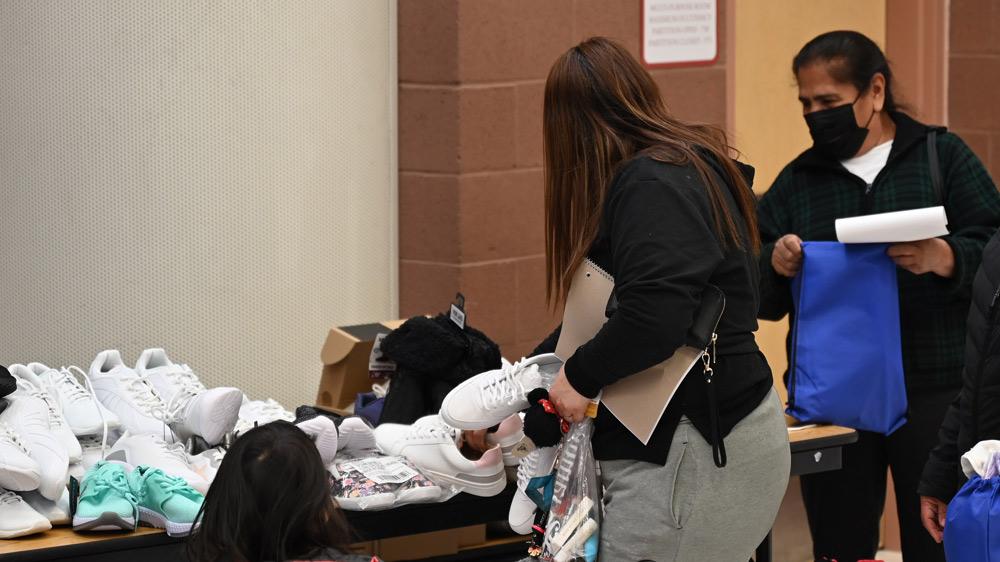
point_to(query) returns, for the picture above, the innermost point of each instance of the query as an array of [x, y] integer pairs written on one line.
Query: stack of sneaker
[[36, 447], [113, 498], [490, 398], [432, 446]]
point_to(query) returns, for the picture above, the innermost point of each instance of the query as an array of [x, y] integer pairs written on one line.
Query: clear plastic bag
[[573, 528], [380, 482]]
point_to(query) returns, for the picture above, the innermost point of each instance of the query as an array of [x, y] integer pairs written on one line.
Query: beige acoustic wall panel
[[216, 178]]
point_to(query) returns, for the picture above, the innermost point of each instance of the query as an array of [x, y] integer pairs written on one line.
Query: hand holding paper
[[933, 255]]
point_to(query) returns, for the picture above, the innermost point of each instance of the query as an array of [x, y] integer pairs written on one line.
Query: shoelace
[[107, 477], [8, 434], [176, 450], [509, 388], [185, 383], [68, 372], [55, 417], [68, 385], [526, 470], [141, 393], [169, 484], [9, 497], [435, 431]]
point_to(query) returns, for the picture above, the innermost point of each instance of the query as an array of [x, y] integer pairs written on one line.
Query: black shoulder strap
[[935, 165]]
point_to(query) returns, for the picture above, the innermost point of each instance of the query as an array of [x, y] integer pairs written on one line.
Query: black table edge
[[824, 442]]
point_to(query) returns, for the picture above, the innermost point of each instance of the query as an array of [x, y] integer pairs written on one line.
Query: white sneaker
[[491, 397], [323, 432], [539, 462], [57, 512], [210, 414], [133, 450], [431, 445], [29, 417], [82, 411], [18, 470], [206, 463], [356, 437], [94, 449], [119, 388], [18, 519], [29, 384], [259, 412], [507, 437]]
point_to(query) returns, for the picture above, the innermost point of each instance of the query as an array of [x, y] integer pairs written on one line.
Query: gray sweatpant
[[691, 511]]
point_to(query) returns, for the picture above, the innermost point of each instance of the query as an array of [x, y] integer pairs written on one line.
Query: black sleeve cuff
[[580, 380]]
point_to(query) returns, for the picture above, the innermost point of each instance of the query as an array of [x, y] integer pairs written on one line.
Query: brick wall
[[974, 78], [471, 78]]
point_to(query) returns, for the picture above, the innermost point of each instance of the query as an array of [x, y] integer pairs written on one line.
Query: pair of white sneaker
[[160, 397], [487, 399]]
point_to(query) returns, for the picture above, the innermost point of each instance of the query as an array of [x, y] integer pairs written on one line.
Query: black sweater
[[975, 414], [657, 239]]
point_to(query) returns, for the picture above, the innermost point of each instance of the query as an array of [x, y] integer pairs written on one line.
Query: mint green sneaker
[[106, 501], [165, 502]]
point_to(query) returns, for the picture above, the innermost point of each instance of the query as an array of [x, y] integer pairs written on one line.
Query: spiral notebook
[[639, 400]]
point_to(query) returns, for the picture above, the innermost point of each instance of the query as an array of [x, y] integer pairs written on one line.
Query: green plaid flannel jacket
[[813, 191]]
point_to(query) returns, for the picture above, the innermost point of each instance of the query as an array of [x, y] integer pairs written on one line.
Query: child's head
[[270, 500]]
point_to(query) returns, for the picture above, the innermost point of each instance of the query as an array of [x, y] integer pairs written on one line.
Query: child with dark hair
[[270, 501]]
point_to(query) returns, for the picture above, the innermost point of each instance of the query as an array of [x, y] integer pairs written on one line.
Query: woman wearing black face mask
[[868, 157]]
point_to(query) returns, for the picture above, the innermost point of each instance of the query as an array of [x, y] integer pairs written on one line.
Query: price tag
[[458, 310], [378, 364]]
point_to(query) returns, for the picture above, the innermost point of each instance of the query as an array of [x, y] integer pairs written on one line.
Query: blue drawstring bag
[[972, 527], [846, 363]]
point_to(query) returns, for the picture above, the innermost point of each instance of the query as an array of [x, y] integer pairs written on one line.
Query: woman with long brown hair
[[660, 205]]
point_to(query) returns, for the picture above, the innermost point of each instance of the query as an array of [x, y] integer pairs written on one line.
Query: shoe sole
[[224, 415], [160, 521], [107, 521], [494, 485], [39, 527]]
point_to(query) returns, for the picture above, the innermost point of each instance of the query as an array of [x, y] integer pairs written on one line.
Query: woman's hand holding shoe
[[571, 405]]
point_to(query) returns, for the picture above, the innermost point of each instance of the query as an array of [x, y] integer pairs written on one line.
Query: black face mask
[[835, 131]]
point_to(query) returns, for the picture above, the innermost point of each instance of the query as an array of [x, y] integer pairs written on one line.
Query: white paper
[[900, 226]]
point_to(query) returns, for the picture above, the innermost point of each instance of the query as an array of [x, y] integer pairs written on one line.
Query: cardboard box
[[345, 357], [429, 545]]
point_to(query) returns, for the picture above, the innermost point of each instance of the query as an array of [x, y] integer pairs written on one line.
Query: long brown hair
[[601, 109], [270, 500]]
